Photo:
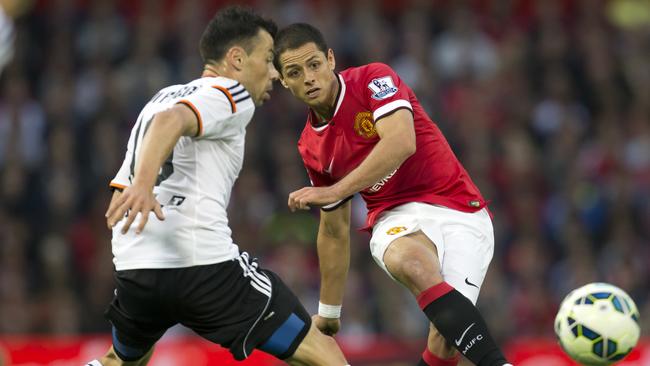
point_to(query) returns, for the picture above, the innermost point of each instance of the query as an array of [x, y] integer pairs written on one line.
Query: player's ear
[[235, 57], [331, 61]]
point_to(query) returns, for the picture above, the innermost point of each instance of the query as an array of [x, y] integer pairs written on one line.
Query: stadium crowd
[[546, 103]]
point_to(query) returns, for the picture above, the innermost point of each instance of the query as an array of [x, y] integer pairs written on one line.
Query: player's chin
[[263, 99], [312, 102]]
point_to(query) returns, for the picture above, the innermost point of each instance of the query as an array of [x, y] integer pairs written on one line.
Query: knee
[[415, 270]]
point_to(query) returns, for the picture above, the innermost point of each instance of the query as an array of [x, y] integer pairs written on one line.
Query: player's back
[[194, 183]]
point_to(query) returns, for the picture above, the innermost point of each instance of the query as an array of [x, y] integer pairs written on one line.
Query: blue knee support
[[124, 352], [284, 336]]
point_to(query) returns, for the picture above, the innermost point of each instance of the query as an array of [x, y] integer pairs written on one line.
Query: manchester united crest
[[364, 125], [395, 230]]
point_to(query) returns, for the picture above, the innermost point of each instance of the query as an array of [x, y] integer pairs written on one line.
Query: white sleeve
[[122, 178], [212, 107]]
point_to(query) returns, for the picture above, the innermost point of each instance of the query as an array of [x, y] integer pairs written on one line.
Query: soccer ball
[[597, 324]]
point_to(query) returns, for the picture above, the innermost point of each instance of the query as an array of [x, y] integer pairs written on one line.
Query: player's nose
[[310, 77], [273, 74]]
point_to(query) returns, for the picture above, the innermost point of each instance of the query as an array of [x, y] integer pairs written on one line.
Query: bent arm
[[334, 253], [397, 142], [161, 137]]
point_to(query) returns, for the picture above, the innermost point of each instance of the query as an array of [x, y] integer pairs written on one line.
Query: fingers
[[145, 214], [116, 201], [133, 201], [157, 209], [143, 221], [118, 212], [326, 326], [129, 219], [300, 199]]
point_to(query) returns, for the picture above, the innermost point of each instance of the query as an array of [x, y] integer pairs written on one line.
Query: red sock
[[427, 296], [433, 360]]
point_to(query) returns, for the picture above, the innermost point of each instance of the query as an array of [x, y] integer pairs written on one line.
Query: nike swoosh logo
[[459, 341], [469, 283], [329, 168]]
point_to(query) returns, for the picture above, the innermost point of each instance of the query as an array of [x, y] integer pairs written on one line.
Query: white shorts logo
[[382, 88]]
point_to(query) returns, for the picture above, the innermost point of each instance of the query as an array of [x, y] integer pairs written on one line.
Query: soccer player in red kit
[[366, 132]]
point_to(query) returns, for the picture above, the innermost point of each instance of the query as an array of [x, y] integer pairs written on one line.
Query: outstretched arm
[[334, 258], [159, 141], [397, 142]]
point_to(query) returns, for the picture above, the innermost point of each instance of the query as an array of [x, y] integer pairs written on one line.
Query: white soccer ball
[[597, 324]]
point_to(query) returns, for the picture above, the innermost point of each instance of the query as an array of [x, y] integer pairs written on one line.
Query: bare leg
[[317, 349], [418, 251], [413, 261], [112, 359]]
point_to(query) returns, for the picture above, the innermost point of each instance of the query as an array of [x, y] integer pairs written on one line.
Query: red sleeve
[[385, 91]]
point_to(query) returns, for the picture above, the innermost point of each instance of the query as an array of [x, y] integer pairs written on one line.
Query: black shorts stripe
[[259, 282], [234, 86], [255, 282], [248, 334], [261, 279]]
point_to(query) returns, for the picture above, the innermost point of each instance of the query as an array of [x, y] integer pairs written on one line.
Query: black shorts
[[234, 304]]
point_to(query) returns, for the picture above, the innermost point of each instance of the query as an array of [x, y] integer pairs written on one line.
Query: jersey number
[[167, 168]]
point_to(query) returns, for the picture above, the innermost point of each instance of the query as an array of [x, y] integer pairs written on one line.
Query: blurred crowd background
[[546, 103]]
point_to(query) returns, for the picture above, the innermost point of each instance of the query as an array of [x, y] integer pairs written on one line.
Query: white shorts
[[465, 241]]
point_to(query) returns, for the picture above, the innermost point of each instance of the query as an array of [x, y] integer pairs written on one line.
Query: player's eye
[[293, 73], [315, 65]]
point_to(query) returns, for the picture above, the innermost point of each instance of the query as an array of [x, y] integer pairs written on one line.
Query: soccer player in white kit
[[174, 256]]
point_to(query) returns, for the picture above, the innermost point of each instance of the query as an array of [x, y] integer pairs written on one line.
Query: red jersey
[[432, 174]]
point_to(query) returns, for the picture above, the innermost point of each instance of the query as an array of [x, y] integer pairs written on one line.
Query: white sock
[[94, 363]]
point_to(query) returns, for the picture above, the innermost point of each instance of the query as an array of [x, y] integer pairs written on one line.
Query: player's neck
[[325, 112], [210, 71]]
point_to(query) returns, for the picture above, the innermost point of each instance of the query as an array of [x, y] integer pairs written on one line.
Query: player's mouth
[[313, 93]]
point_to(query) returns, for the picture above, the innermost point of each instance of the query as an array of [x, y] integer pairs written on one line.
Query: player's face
[[308, 73], [258, 72]]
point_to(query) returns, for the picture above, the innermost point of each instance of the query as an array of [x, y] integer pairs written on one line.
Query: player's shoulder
[[229, 90], [361, 77]]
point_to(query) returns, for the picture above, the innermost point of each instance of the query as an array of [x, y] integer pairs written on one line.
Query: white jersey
[[195, 182]]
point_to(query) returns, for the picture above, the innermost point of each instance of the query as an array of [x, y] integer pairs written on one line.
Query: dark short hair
[[295, 36], [234, 25]]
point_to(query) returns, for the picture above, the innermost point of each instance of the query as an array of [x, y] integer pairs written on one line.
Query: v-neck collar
[[339, 100]]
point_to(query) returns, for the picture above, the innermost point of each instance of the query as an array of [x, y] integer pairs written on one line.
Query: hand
[[134, 199], [327, 326], [317, 196]]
